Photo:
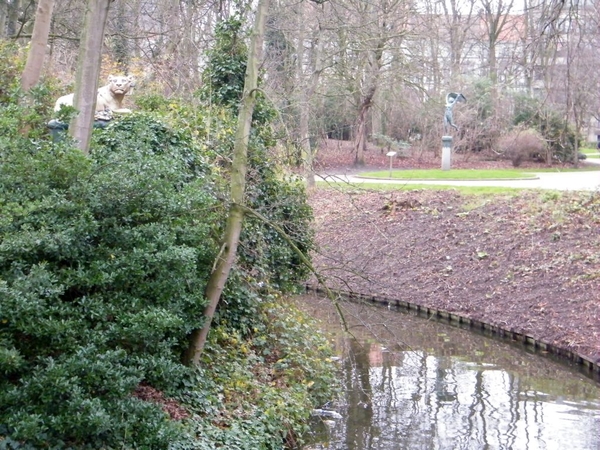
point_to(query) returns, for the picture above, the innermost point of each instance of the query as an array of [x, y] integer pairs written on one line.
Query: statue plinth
[[446, 152]]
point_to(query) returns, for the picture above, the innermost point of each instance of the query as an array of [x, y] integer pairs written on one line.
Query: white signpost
[[391, 155]]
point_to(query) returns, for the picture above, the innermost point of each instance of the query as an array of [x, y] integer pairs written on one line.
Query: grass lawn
[[454, 174], [469, 190], [469, 174], [590, 152]]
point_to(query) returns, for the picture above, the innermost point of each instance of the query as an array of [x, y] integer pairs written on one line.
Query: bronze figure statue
[[451, 99]]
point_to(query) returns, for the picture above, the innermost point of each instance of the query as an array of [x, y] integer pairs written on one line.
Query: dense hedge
[[103, 264]]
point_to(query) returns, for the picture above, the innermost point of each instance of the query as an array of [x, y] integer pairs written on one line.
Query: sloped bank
[[526, 266]]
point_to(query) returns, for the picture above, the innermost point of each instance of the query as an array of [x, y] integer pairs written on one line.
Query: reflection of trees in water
[[412, 400], [360, 426], [419, 401], [477, 412], [434, 398]]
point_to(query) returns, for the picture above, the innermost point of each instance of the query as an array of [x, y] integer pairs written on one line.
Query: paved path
[[565, 181]]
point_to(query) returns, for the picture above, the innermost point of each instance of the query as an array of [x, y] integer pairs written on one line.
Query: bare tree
[[366, 31], [459, 19], [3, 16], [88, 72], [359, 67], [496, 20], [39, 41], [308, 72], [580, 48]]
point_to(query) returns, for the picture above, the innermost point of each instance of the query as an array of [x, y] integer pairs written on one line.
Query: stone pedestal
[[446, 152]]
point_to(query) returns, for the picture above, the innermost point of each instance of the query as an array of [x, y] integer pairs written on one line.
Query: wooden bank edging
[[591, 367]]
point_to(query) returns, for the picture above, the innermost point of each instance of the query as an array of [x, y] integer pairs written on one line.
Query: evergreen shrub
[[22, 115], [103, 264], [559, 135]]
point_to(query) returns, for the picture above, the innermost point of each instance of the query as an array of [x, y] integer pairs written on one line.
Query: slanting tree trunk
[[226, 257], [88, 72], [39, 41]]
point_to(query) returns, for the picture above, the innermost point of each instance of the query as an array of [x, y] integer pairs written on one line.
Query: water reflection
[[416, 384]]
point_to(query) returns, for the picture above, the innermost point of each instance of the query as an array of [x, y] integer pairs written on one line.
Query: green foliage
[[22, 116], [212, 127], [283, 201], [308, 363], [12, 64], [103, 263], [65, 113], [559, 135], [152, 137], [265, 257], [265, 385], [151, 101], [223, 78]]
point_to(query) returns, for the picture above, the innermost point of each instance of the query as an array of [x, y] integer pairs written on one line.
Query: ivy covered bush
[[103, 264], [266, 255]]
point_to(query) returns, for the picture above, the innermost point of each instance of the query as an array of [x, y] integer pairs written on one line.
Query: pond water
[[413, 383]]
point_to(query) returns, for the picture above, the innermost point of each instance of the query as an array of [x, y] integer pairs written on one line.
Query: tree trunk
[[307, 152], [303, 105], [373, 73], [377, 115], [226, 257], [3, 17], [88, 72], [13, 18], [39, 41], [306, 87], [360, 139]]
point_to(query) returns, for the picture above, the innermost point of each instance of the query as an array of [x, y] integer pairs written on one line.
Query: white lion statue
[[110, 97]]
